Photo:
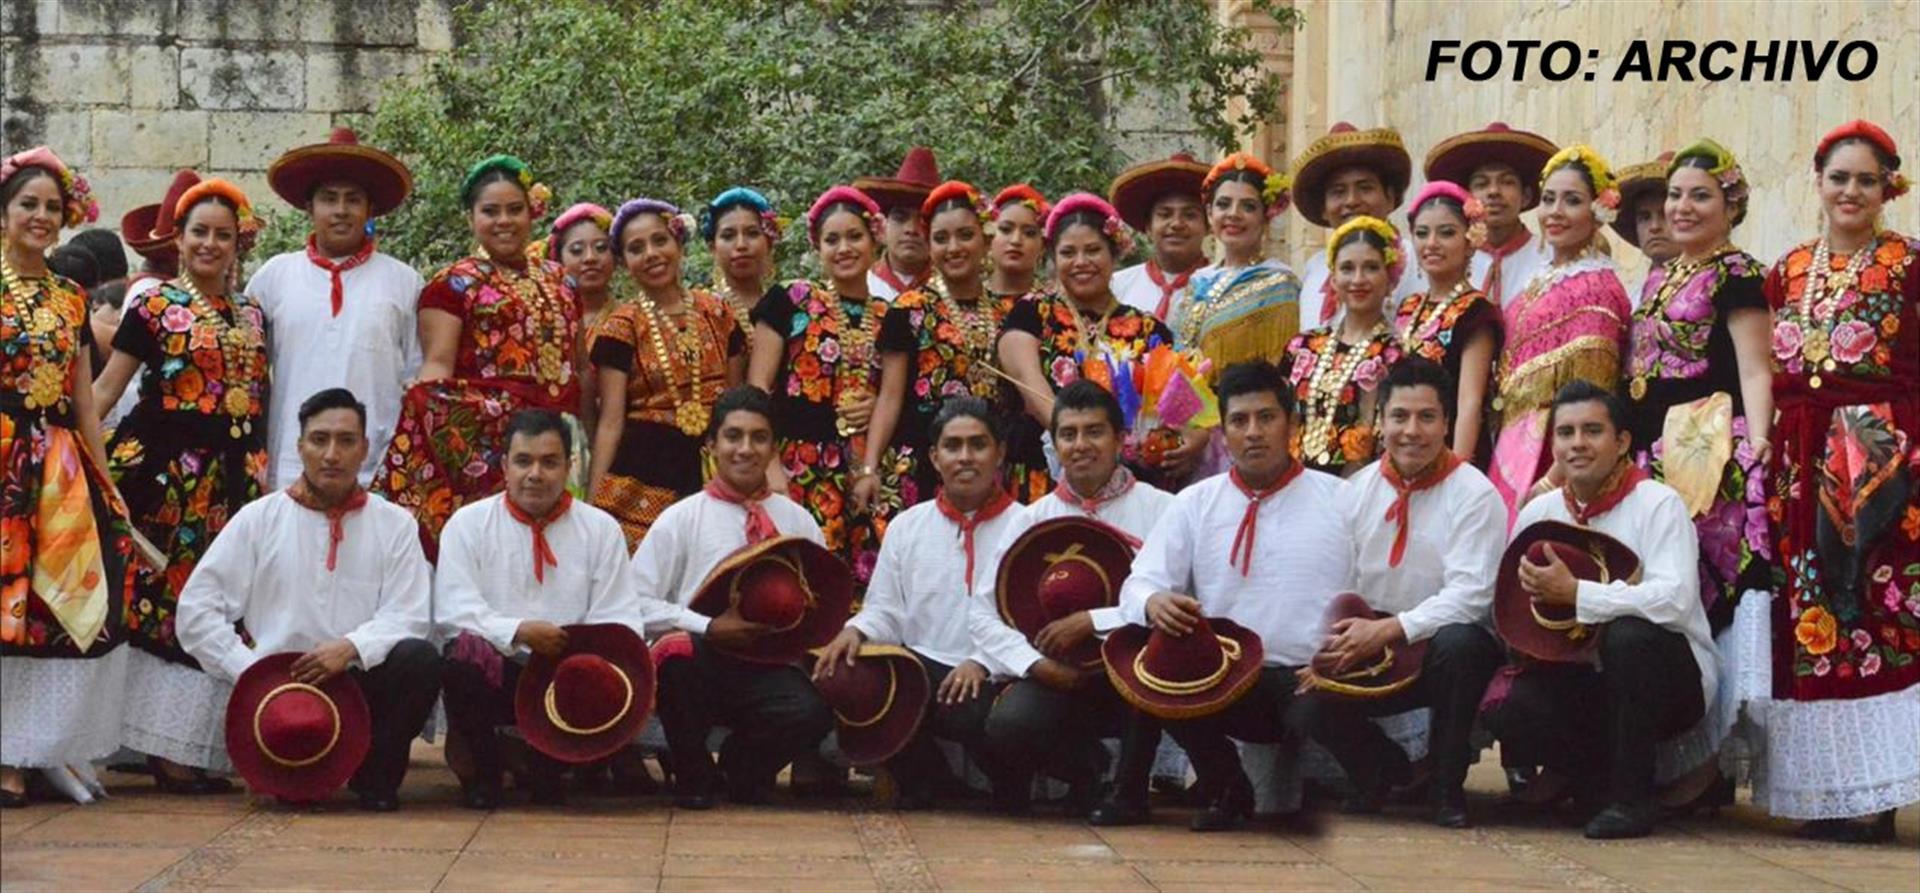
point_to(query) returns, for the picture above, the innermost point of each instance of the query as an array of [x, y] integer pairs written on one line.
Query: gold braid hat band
[[286, 688], [559, 722], [1229, 652], [733, 586], [893, 687]]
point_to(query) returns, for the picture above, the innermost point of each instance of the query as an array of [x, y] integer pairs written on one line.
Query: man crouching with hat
[[325, 569], [1615, 548], [1427, 529], [694, 571], [1233, 583], [514, 570]]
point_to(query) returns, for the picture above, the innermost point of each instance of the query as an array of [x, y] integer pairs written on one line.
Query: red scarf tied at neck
[[334, 270], [542, 552], [1242, 553], [1404, 490], [1117, 485], [759, 523], [1618, 486], [1499, 253], [1168, 287], [304, 495], [991, 509]]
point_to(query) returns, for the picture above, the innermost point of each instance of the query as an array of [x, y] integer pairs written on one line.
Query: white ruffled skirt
[[60, 711]]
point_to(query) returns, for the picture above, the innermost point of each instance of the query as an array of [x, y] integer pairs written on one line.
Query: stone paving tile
[[556, 836], [1657, 863], [723, 840], [1164, 841], [96, 827], [1194, 875], [31, 869], [1036, 839], [280, 868], [1002, 875], [514, 872], [770, 885], [851, 869], [359, 830]]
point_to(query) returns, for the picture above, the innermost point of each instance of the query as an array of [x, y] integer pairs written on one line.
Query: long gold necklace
[[1331, 372], [1429, 312], [1678, 274], [545, 312], [1083, 337], [723, 289], [239, 355], [856, 355], [1816, 345], [690, 414], [976, 325]]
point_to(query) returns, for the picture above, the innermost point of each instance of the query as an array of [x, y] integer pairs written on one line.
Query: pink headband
[[75, 194], [1470, 208], [1113, 227], [876, 221], [579, 212]]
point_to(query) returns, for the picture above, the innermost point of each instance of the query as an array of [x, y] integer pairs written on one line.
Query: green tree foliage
[[678, 99]]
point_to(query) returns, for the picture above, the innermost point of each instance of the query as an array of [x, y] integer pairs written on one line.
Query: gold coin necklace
[[690, 413], [1331, 372], [856, 355], [239, 355], [542, 310], [976, 325], [1678, 274], [1816, 345]]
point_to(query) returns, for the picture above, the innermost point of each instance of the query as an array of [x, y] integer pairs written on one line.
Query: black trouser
[[400, 693], [1461, 659], [920, 767], [772, 712], [1034, 728], [476, 710], [1591, 723], [1260, 715]]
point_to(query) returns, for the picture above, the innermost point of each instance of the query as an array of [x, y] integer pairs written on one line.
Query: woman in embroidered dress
[[836, 399], [1569, 321], [498, 334], [1453, 323], [1246, 306], [1843, 730], [191, 453], [1336, 370], [578, 242], [63, 537], [740, 229], [665, 356], [1052, 339], [1017, 248]]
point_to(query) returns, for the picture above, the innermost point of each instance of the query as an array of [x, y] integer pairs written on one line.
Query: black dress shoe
[[1451, 811], [1875, 829], [13, 799], [380, 802], [1620, 821], [699, 802], [1228, 811], [196, 783], [1118, 812], [480, 796]]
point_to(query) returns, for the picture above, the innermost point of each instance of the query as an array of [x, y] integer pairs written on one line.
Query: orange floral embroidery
[[1817, 631], [1911, 524]]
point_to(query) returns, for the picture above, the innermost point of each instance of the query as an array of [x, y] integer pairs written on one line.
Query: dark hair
[[498, 174], [1448, 202], [957, 203], [741, 398], [532, 423], [330, 399], [1085, 395], [107, 251], [1254, 377], [223, 201], [1092, 220], [1889, 162], [1737, 206], [1371, 238], [26, 175], [76, 263], [1416, 372], [1241, 175], [1581, 390], [842, 207], [965, 406], [1578, 167], [111, 294]]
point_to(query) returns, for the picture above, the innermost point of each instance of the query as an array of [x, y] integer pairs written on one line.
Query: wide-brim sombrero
[[878, 703], [293, 740], [820, 596], [1134, 191], [295, 175], [1161, 675], [908, 188], [1635, 182], [590, 701], [1067, 545], [1380, 150], [1395, 668], [1551, 632], [1455, 158]]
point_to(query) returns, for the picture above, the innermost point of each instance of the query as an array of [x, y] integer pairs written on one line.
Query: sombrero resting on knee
[[878, 702], [1183, 677], [1552, 632], [795, 586], [292, 740], [591, 701], [1058, 567], [1393, 669]]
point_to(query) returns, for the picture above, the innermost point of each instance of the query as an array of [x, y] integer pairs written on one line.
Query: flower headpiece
[[678, 222], [951, 190], [739, 197], [1390, 254], [869, 209], [1115, 229], [1896, 182], [76, 195], [1276, 189], [1606, 190], [580, 212], [538, 195], [1726, 170], [249, 223], [1021, 194], [1470, 208]]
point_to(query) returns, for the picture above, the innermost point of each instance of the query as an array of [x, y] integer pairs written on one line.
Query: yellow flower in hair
[[1596, 166], [1381, 228]]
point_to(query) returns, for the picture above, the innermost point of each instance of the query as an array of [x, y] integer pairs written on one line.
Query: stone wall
[[131, 90]]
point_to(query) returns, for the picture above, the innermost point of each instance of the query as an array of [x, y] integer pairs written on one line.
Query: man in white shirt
[[907, 262], [1162, 199], [1427, 529], [1599, 724], [1261, 545], [514, 568], [1500, 166], [342, 313], [1346, 174], [772, 710], [918, 598], [325, 568]]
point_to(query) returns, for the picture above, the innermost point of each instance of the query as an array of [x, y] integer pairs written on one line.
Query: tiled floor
[[143, 841]]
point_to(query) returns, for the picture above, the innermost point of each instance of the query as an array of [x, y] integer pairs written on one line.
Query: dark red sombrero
[[1550, 632], [877, 703], [794, 585], [919, 173], [591, 701], [1637, 181], [1393, 669], [292, 740], [1344, 146], [1135, 189], [295, 175], [1183, 677], [1060, 566], [147, 231], [1455, 158]]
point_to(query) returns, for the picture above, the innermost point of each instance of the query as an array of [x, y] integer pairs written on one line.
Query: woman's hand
[[855, 413]]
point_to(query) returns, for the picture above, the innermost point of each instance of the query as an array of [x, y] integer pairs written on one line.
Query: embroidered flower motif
[[1787, 340], [1853, 340], [1817, 632]]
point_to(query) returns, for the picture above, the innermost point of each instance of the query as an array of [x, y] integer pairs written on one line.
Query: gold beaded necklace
[[856, 353], [1678, 274], [1330, 376], [240, 355], [1428, 312], [976, 324], [690, 414], [543, 310], [1816, 345]]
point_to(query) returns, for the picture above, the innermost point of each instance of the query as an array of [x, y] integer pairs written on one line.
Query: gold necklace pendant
[[1638, 388], [691, 417]]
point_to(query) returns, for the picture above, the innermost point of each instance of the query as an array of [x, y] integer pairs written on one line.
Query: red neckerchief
[[303, 495], [995, 505], [542, 552], [1168, 287], [1621, 483], [1500, 253], [759, 523], [1119, 484], [1403, 492], [884, 270], [1249, 523], [334, 270], [1329, 301]]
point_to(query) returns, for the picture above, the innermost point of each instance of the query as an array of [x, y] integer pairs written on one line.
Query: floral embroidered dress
[[1067, 334], [517, 333], [1843, 730], [1569, 322], [952, 345], [1232, 315], [831, 354], [1336, 385], [676, 369], [63, 541], [1439, 328]]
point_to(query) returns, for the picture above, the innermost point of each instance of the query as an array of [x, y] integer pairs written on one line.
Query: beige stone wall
[[131, 90], [1364, 61]]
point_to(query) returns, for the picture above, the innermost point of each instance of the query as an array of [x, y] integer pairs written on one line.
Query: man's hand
[[1180, 461], [1173, 613], [1552, 583], [845, 648], [1356, 640], [541, 637], [963, 684], [325, 661], [730, 630], [1063, 635], [1058, 676]]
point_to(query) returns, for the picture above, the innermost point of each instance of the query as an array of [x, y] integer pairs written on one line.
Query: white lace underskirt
[[1838, 759], [176, 713], [1745, 663], [60, 711]]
